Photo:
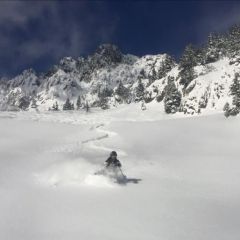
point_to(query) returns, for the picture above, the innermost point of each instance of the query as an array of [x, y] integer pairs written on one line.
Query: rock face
[[108, 78]]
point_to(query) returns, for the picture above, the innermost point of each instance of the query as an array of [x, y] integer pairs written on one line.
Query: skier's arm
[[119, 163], [107, 162]]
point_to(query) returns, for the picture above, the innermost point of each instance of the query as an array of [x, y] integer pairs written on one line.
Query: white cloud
[[58, 33]]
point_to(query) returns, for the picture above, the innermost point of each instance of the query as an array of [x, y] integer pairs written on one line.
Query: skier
[[113, 169], [112, 161]]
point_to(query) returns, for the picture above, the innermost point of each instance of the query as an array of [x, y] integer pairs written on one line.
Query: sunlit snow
[[187, 169]]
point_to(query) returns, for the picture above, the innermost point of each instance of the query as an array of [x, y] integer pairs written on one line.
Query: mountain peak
[[110, 53]]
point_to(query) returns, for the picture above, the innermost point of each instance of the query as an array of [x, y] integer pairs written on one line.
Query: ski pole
[[121, 172]]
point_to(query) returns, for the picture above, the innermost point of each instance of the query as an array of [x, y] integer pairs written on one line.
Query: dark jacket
[[113, 162]]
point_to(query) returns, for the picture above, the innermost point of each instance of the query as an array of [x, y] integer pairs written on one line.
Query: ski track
[[94, 143]]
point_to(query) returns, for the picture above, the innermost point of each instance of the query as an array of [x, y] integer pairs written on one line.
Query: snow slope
[[188, 172]]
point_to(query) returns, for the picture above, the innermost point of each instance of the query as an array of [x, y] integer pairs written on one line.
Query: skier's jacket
[[113, 162]]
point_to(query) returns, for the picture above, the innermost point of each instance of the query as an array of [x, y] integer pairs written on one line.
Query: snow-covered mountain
[[199, 83]]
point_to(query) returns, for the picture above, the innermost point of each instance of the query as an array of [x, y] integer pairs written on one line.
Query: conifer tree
[[122, 91], [24, 103], [34, 103], [142, 74], [86, 106], [67, 105], [186, 65], [172, 100], [227, 110], [139, 91], [186, 76], [235, 91], [234, 44], [153, 76], [55, 106], [188, 59], [165, 67], [79, 103], [214, 48]]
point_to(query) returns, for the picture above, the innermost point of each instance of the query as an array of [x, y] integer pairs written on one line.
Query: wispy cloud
[[30, 31], [216, 16]]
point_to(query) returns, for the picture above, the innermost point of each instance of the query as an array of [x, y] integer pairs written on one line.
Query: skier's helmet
[[113, 153]]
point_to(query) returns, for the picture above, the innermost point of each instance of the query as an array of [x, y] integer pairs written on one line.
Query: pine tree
[[86, 106], [215, 48], [103, 97], [78, 104], [186, 76], [187, 62], [24, 103], [165, 67], [122, 91], [139, 91], [34, 103], [227, 110], [142, 74], [67, 105], [234, 44], [235, 91], [55, 106], [172, 100], [104, 103], [153, 76], [188, 59]]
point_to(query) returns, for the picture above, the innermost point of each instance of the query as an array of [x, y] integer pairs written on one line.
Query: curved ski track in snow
[[93, 143]]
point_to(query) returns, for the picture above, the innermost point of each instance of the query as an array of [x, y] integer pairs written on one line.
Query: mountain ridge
[[201, 81]]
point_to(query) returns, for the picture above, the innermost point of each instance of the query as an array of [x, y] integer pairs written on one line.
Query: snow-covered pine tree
[[188, 58], [186, 76], [55, 106], [215, 48], [227, 110], [34, 103], [186, 64], [24, 103], [122, 92], [235, 91], [79, 103], [142, 74], [153, 76], [139, 91], [103, 98], [212, 48], [172, 99], [165, 67], [104, 103], [233, 40], [86, 106], [67, 105]]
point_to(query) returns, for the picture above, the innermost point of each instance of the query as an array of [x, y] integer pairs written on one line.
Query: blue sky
[[38, 33]]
